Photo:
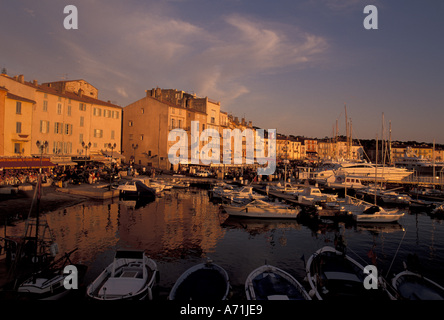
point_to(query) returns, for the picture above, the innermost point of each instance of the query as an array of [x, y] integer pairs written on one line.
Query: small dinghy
[[271, 283], [131, 276], [333, 275], [412, 285], [205, 281]]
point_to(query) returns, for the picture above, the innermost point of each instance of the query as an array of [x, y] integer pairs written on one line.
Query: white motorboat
[[262, 209], [131, 276], [202, 282], [312, 195], [271, 283], [136, 187], [344, 182], [366, 212], [333, 275]]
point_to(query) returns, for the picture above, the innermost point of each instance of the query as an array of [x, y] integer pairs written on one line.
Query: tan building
[[68, 115], [15, 124], [148, 121]]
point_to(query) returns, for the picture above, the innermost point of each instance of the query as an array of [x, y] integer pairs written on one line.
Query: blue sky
[[285, 65]]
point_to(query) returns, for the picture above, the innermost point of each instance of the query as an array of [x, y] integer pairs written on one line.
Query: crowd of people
[[95, 172]]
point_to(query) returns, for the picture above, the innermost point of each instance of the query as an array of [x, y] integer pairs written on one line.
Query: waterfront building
[[148, 121], [15, 124], [69, 116]]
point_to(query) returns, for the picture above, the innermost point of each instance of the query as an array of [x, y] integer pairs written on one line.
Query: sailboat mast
[[390, 143], [376, 167]]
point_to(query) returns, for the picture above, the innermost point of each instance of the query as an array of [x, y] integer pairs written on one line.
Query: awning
[[114, 154], [25, 163]]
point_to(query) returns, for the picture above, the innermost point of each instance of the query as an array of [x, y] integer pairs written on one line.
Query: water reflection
[[181, 228]]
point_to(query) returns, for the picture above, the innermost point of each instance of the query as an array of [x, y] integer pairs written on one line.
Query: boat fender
[[312, 293]]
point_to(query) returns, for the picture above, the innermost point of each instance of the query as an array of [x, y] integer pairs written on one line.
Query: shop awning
[[25, 163], [114, 154]]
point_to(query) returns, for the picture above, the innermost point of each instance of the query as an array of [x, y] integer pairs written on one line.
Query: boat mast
[[376, 167], [346, 132]]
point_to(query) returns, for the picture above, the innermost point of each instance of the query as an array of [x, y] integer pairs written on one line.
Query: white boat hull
[[252, 211], [125, 279]]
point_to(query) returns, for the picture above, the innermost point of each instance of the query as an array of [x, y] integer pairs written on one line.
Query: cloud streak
[[161, 48]]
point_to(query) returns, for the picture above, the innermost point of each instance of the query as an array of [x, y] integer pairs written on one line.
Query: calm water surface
[[183, 228]]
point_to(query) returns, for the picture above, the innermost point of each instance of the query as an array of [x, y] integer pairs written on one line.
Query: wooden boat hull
[[271, 283], [413, 286], [333, 275], [125, 279], [206, 281]]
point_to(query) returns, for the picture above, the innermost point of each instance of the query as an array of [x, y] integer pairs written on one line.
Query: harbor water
[[182, 228]]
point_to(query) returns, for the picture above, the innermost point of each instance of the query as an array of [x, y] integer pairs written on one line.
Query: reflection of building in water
[[178, 224], [89, 228]]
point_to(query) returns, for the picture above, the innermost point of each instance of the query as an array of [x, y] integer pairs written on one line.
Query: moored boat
[[366, 212], [413, 286], [131, 276], [262, 209], [271, 283], [49, 283], [137, 188], [205, 281], [333, 275]]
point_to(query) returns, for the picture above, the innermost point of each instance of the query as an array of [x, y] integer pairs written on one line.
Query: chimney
[[35, 82], [80, 93], [21, 78]]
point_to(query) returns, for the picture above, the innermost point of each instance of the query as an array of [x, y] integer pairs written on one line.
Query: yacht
[[419, 164], [362, 170]]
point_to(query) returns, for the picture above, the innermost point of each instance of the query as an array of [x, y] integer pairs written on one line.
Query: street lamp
[[86, 146], [112, 147], [134, 146], [41, 146]]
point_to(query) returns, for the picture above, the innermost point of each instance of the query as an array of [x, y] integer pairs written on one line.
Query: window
[[59, 108], [82, 121], [44, 126], [81, 138], [69, 110], [18, 107], [45, 105], [141, 137], [130, 123], [17, 148], [82, 106], [131, 136], [98, 133], [113, 134], [58, 127], [142, 110], [18, 127], [68, 129]]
